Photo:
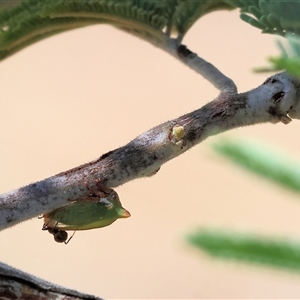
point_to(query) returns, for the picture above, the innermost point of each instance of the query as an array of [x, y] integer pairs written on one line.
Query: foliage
[[276, 17], [153, 21], [271, 16], [274, 252], [25, 22], [250, 248], [290, 57], [263, 161]]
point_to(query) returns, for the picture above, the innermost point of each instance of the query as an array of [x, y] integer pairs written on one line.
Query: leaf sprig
[[271, 16], [280, 253], [274, 252], [262, 161], [153, 21]]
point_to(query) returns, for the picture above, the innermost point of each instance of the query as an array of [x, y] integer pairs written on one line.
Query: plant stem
[[144, 156]]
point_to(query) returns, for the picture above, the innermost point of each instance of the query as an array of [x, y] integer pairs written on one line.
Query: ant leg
[[66, 242]]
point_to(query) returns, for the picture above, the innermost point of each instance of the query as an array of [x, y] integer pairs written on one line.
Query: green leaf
[[262, 161], [187, 12], [252, 21], [290, 56], [153, 21], [291, 65], [249, 248], [272, 16]]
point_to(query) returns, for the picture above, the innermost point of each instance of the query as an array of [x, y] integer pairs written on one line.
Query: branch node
[[183, 51], [177, 134]]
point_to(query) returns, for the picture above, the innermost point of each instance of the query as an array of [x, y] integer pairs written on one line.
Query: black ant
[[60, 236]]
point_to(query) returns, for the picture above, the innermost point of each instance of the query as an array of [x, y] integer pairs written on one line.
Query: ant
[[60, 236]]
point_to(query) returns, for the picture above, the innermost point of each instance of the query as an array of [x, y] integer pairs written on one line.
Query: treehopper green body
[[86, 213]]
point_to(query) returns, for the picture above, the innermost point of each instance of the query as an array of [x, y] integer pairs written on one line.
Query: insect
[[60, 236], [94, 211]]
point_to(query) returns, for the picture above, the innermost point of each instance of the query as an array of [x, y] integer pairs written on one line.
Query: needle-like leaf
[[274, 252]]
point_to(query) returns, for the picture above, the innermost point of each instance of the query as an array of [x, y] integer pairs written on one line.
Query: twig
[[143, 156], [201, 66]]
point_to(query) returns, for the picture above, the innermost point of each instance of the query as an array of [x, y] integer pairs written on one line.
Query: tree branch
[[270, 102], [15, 284], [201, 66]]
